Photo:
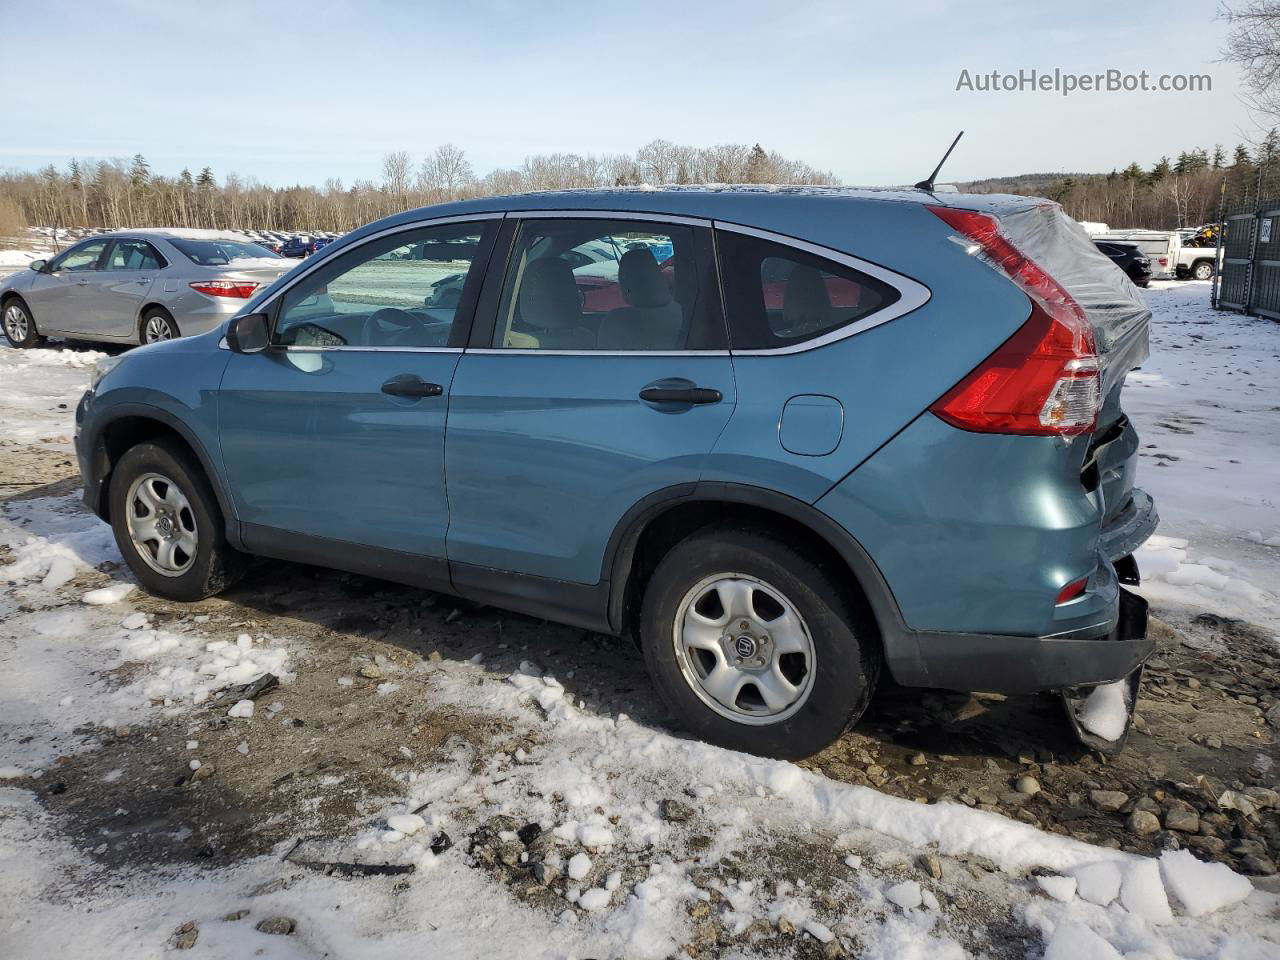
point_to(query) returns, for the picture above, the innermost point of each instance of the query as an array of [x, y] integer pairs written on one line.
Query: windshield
[[215, 253]]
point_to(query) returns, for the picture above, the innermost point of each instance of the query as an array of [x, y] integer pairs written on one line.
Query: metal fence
[[1248, 279]]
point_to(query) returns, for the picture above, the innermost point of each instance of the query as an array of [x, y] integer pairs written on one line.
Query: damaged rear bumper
[[1014, 665]]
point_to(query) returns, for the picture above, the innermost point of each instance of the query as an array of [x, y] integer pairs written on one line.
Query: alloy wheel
[[15, 323], [744, 649], [161, 524], [157, 329]]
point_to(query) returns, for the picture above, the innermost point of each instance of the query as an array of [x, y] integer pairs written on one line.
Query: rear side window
[[779, 296]]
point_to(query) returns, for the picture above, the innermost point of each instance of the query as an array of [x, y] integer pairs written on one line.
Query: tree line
[[117, 194], [1184, 192]]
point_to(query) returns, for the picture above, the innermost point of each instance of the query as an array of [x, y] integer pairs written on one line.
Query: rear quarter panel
[[883, 377]]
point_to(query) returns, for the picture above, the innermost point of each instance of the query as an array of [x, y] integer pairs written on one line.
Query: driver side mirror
[[39, 266], [250, 333]]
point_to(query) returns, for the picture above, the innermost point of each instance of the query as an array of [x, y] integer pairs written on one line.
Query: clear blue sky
[[294, 92]]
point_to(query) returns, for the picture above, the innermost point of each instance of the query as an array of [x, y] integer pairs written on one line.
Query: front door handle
[[680, 392], [407, 385]]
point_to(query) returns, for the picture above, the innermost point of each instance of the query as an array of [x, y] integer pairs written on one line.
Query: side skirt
[[575, 604]]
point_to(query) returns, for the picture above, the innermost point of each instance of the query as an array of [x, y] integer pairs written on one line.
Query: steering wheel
[[391, 326]]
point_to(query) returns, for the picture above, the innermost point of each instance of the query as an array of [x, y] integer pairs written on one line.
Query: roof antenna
[[928, 184]]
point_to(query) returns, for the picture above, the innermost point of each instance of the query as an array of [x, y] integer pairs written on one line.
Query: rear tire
[[754, 646], [19, 327], [168, 525], [1202, 270], [157, 325]]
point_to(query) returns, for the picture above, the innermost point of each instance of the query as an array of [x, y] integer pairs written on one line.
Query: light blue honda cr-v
[[783, 437]]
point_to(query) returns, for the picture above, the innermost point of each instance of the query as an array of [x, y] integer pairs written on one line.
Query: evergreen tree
[[1241, 157], [184, 178], [1160, 171], [1219, 157], [139, 171], [757, 165], [1269, 147], [206, 180]]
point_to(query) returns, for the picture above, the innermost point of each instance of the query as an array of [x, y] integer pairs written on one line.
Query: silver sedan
[[136, 286]]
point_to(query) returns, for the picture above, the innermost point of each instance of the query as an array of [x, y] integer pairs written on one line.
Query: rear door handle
[[407, 385], [680, 394]]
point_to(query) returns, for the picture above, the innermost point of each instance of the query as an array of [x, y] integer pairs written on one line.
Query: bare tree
[[447, 172], [1253, 43], [657, 161], [397, 173]]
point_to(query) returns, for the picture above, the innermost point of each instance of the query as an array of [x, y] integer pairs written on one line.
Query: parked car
[[135, 286], [778, 484], [303, 246], [1161, 247], [1135, 264]]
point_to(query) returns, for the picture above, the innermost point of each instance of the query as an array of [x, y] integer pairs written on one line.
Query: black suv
[[1128, 258]]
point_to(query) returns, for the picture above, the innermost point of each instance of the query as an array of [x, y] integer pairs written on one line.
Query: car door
[[333, 437], [563, 416], [57, 295], [115, 293]]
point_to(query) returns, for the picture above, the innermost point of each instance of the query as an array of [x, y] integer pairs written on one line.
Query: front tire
[[167, 523], [19, 327], [157, 326], [754, 646]]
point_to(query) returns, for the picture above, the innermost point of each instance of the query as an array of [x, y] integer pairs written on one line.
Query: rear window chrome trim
[[317, 262], [912, 293]]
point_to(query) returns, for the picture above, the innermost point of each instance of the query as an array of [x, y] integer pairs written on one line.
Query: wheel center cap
[[745, 646], [164, 527]]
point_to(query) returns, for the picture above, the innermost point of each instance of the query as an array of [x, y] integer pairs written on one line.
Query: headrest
[[549, 296], [641, 281], [805, 301]]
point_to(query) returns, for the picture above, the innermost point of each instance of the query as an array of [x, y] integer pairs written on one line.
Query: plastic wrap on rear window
[[1120, 318]]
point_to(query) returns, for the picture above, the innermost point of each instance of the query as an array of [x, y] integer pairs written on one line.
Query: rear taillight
[[1164, 261], [1042, 381], [236, 289]]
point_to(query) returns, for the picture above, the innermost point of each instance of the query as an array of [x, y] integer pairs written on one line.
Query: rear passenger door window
[[133, 255], [779, 296], [609, 285]]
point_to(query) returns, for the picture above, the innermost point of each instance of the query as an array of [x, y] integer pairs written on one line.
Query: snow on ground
[[1207, 408], [39, 390], [71, 657]]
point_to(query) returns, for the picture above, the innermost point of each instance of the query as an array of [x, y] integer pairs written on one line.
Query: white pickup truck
[[1197, 263]]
